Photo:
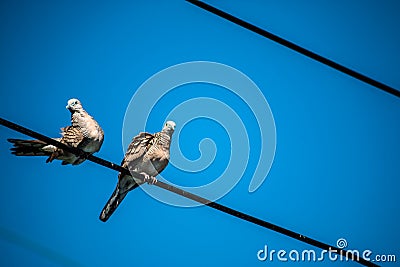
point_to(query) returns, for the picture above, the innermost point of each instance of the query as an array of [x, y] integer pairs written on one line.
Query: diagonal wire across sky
[[386, 90]]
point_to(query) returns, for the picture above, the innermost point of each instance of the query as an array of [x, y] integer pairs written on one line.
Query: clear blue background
[[336, 168]]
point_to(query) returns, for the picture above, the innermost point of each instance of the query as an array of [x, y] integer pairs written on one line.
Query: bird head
[[169, 127], [74, 105]]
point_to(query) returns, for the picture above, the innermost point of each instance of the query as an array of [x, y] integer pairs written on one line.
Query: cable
[[214, 205], [296, 48]]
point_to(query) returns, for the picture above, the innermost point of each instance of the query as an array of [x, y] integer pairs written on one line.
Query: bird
[[83, 133], [147, 154]]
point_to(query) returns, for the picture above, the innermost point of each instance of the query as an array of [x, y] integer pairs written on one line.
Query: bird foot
[[149, 179]]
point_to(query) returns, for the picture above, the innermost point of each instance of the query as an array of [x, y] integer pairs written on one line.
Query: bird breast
[[152, 168]]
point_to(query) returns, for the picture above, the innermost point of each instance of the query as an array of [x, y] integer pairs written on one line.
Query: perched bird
[[147, 154], [84, 133]]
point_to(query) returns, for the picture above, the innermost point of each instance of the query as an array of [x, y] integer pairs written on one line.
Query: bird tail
[[114, 201], [30, 147]]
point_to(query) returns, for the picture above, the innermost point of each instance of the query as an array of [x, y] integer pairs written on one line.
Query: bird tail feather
[[112, 204], [116, 198], [28, 147]]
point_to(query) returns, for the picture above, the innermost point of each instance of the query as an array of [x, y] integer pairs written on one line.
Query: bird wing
[[137, 149], [72, 136]]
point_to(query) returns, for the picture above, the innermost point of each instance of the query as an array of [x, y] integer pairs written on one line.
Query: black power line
[[296, 48], [214, 205]]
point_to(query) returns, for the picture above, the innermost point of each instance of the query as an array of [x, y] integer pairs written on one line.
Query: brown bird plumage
[[84, 133], [147, 154]]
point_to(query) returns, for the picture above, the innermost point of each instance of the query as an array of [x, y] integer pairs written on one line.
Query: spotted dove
[[147, 154], [84, 133]]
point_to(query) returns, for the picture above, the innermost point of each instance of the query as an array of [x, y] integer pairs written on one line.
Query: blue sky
[[335, 172]]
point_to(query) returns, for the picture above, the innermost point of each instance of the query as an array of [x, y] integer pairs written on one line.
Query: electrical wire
[[296, 48], [214, 205]]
